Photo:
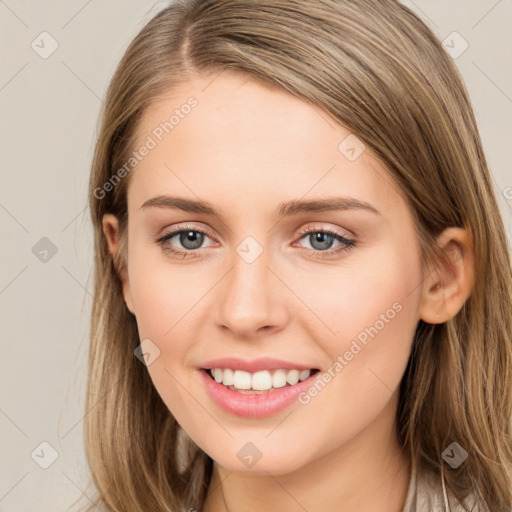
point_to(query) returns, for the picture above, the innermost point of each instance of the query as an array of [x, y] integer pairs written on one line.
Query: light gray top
[[427, 492]]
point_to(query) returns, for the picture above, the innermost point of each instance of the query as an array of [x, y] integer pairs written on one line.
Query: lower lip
[[254, 405]]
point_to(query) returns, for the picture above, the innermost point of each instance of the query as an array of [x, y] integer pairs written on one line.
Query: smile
[[256, 403], [261, 381]]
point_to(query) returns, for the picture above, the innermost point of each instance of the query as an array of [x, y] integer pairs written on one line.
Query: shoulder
[[427, 492]]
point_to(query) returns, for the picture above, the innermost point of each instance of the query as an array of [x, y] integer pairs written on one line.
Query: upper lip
[[254, 365]]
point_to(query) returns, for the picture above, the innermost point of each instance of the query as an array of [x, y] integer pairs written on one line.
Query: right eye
[[190, 239]]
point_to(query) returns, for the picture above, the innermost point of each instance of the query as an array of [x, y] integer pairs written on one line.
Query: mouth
[[260, 382]]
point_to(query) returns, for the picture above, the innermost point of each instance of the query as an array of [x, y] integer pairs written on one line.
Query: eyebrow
[[293, 207]]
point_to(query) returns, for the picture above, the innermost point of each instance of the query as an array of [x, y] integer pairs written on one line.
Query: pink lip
[[254, 405], [255, 365]]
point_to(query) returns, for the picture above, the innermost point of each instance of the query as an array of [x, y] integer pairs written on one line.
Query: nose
[[251, 300]]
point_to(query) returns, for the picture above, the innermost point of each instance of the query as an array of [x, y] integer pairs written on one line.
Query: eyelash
[[347, 243]]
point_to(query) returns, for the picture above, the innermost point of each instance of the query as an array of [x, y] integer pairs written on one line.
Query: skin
[[246, 148]]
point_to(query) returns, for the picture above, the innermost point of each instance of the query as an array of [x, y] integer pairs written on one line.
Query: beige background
[[49, 110]]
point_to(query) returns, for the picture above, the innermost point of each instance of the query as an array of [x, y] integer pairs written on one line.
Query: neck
[[370, 473]]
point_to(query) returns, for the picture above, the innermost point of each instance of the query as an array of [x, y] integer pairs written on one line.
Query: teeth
[[261, 380], [279, 379], [242, 380], [304, 374], [258, 381], [292, 377], [228, 377]]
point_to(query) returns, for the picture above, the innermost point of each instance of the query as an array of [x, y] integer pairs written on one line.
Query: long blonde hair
[[375, 67]]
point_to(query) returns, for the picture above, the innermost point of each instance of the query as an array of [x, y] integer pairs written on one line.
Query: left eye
[[321, 241]]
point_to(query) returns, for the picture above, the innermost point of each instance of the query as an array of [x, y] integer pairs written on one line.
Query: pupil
[[191, 239], [324, 239]]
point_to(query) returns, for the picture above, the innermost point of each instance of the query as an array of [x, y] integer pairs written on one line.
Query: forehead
[[246, 141]]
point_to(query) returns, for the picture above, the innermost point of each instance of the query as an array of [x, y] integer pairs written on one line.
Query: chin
[[274, 463]]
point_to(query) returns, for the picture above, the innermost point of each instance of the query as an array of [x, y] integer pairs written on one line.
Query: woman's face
[[253, 284]]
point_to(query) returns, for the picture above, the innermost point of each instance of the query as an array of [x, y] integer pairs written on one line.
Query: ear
[[446, 287], [111, 231]]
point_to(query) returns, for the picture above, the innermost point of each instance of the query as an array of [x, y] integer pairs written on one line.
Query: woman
[[302, 283]]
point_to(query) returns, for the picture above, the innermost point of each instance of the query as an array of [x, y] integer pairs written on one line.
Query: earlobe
[[447, 286], [112, 234]]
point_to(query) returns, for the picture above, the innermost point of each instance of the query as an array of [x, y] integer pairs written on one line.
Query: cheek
[[164, 299], [163, 293], [373, 311], [377, 288]]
